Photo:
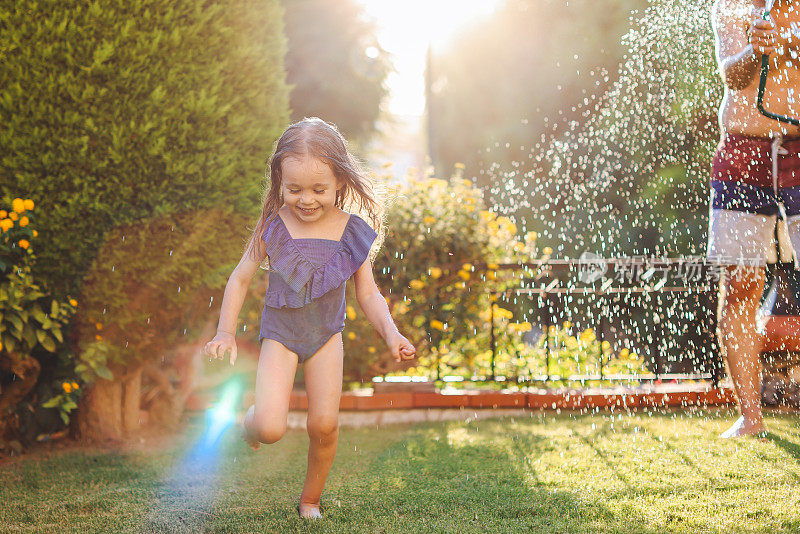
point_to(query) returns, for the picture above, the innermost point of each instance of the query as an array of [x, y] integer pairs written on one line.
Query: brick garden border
[[566, 399]]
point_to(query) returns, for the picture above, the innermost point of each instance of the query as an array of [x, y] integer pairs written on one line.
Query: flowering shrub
[[31, 340], [437, 266]]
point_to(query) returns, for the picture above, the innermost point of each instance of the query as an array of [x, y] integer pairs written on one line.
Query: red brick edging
[[570, 400]]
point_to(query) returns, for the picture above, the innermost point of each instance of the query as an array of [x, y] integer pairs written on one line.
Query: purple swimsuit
[[305, 303]]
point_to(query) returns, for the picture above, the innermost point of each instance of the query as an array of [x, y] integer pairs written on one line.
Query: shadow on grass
[[474, 477], [792, 448]]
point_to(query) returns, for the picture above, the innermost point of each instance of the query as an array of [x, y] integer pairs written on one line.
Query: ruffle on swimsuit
[[300, 280]]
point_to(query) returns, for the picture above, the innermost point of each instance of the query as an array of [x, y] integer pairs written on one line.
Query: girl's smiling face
[[309, 187]]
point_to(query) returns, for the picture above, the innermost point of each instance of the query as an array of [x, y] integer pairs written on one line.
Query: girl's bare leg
[[265, 421], [323, 373]]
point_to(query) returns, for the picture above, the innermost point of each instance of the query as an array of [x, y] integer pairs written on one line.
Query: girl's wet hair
[[321, 140]]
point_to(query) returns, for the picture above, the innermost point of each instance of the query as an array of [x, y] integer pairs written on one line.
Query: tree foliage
[[504, 83], [119, 112], [335, 66]]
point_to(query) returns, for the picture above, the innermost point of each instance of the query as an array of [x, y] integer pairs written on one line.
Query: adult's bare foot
[[308, 511], [743, 427]]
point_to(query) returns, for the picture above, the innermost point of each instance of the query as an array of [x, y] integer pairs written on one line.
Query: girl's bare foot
[[254, 443], [308, 511], [743, 427]]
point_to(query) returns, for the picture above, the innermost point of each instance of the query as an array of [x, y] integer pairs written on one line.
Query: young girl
[[313, 247]]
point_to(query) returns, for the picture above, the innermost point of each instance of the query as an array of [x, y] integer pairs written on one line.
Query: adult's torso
[[738, 113]]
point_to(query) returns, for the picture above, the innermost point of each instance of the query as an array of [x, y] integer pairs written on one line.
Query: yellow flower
[[624, 353], [491, 275], [487, 215], [387, 164], [28, 204], [502, 312], [18, 205], [13, 216], [552, 329], [518, 247], [464, 275], [74, 385], [460, 166], [588, 335], [428, 219], [351, 313], [606, 344], [438, 325], [435, 272], [73, 302], [23, 221], [3, 214], [523, 327], [467, 266], [35, 233], [6, 224], [98, 337], [99, 326], [634, 356], [371, 350], [492, 266], [23, 243], [531, 236], [567, 324], [547, 250], [67, 387], [351, 335], [417, 284]]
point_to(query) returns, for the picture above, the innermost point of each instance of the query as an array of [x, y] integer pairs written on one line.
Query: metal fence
[[614, 283]]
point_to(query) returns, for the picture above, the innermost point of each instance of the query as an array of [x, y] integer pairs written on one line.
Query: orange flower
[[18, 205], [73, 302], [67, 387], [24, 243], [23, 221], [27, 204], [438, 325]]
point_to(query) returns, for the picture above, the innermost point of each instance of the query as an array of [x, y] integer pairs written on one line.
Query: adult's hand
[[763, 34]]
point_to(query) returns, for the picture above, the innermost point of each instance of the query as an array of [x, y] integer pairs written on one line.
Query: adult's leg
[[265, 421], [323, 374], [740, 290]]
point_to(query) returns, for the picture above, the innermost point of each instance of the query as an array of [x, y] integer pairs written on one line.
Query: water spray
[[763, 82]]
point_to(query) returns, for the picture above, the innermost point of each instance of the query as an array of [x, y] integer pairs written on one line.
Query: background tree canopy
[[335, 66]]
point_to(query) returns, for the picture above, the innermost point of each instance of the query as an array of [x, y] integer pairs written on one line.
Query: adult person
[[755, 179]]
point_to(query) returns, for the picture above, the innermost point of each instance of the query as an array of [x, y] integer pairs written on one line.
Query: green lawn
[[538, 473]]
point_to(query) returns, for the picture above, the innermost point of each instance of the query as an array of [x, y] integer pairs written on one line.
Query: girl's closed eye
[[297, 191]]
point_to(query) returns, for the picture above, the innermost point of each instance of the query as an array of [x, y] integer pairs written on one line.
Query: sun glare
[[406, 29]]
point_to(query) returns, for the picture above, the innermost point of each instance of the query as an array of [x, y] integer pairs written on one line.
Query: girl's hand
[[222, 343], [401, 348]]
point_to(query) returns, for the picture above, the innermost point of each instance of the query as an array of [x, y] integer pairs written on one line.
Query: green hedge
[[118, 112]]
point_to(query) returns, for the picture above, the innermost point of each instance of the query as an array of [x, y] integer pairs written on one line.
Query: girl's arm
[[232, 300], [377, 311]]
